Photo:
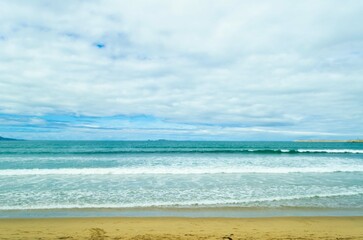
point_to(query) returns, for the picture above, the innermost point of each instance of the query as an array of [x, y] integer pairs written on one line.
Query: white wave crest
[[185, 204], [184, 170], [356, 151]]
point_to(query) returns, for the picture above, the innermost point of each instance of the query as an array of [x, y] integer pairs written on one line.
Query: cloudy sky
[[194, 70]]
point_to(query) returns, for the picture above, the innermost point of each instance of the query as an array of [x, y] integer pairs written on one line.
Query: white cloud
[[279, 66]]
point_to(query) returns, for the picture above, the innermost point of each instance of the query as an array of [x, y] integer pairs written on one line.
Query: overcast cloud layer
[[215, 70]]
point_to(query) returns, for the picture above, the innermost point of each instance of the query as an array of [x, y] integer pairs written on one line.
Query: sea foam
[[180, 170]]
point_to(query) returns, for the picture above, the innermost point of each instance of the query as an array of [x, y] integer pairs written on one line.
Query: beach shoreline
[[183, 228], [183, 212]]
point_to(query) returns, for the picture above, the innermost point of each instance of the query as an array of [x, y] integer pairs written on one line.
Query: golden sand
[[184, 228]]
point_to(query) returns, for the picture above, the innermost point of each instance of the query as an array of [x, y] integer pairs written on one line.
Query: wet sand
[[184, 228]]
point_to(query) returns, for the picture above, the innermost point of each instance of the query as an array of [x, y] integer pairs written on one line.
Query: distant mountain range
[[317, 140], [8, 139]]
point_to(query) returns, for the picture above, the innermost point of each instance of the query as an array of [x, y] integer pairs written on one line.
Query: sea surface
[[159, 178]]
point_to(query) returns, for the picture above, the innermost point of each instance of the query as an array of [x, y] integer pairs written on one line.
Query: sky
[[181, 70]]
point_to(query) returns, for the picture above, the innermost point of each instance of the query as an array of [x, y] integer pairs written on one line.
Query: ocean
[[179, 178]]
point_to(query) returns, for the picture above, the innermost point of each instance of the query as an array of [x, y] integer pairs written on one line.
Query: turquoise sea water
[[117, 176]]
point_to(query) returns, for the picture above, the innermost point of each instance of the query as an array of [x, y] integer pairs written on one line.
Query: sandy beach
[[184, 228]]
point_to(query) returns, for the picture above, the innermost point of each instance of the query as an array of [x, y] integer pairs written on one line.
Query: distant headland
[[317, 140], [8, 139]]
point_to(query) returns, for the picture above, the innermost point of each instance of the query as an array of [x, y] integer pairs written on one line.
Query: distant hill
[[351, 141], [8, 139]]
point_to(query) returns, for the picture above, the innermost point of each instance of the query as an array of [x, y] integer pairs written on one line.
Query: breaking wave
[[183, 170]]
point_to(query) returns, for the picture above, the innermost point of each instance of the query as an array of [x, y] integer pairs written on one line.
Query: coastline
[[330, 141], [182, 212], [184, 228]]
